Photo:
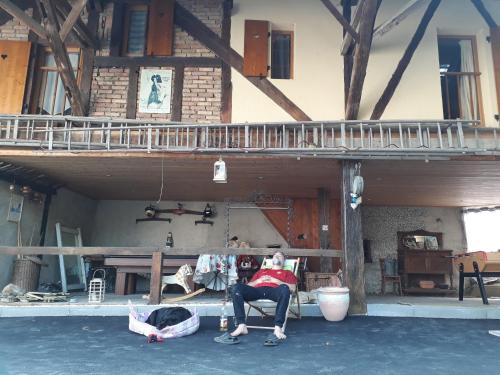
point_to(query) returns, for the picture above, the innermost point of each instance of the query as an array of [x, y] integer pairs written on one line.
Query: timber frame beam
[[198, 30], [62, 60], [393, 83], [18, 13], [339, 17], [356, 18], [361, 58], [484, 13]]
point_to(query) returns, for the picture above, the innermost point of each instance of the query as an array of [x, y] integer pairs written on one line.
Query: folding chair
[[262, 305]]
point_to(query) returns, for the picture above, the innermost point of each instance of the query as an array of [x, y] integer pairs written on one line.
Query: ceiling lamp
[[220, 171]]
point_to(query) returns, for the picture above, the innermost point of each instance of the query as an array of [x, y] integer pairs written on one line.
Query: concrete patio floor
[[358, 345], [209, 304]]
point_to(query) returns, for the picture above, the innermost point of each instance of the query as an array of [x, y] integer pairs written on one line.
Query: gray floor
[[358, 345]]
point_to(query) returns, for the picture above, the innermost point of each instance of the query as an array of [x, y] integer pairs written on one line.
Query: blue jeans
[[243, 292]]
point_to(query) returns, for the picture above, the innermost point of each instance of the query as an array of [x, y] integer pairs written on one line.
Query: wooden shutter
[[161, 28], [14, 61], [256, 48], [495, 46]]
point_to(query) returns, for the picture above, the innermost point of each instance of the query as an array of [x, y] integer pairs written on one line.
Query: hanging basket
[[26, 274]]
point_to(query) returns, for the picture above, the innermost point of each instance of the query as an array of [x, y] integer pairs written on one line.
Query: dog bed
[[137, 324]]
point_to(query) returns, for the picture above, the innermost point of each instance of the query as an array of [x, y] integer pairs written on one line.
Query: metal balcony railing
[[338, 138]]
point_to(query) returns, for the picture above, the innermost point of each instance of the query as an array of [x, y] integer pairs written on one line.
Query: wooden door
[[161, 28], [14, 61], [256, 48], [495, 47]]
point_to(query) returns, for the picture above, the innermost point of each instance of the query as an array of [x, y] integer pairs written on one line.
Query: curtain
[[467, 83]]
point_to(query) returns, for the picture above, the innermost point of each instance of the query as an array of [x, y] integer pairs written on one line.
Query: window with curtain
[[135, 30], [459, 78], [52, 98], [282, 54]]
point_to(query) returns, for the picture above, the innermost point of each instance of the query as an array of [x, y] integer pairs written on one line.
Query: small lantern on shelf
[[97, 287], [220, 171]]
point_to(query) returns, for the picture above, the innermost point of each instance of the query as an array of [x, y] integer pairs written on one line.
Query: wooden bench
[[128, 267]]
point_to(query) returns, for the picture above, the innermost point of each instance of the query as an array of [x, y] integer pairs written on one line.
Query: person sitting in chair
[[274, 284]]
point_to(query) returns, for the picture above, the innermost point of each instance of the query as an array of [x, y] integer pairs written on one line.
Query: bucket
[[333, 303]]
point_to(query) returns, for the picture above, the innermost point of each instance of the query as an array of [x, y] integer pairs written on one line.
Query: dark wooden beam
[[484, 13], [355, 19], [83, 32], [156, 273], [18, 13], [361, 58], [177, 96], [348, 55], [325, 264], [173, 61], [88, 56], [212, 41], [73, 17], [45, 218], [226, 85], [352, 243], [62, 60], [386, 97], [133, 84], [339, 17]]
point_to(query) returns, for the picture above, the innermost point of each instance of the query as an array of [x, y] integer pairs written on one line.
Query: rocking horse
[[180, 278]]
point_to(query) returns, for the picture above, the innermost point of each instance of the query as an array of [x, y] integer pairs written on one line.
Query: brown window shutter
[[161, 28], [495, 46], [14, 61], [256, 48]]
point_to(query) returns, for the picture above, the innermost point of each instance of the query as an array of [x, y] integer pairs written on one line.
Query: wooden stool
[[389, 278]]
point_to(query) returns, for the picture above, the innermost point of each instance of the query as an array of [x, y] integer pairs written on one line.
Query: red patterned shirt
[[283, 275]]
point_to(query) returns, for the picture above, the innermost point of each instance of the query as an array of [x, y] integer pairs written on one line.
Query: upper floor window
[[460, 86], [135, 30], [282, 54], [51, 97]]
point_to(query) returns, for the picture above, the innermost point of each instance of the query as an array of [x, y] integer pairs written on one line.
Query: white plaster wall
[[317, 87], [115, 225], [69, 208], [381, 224]]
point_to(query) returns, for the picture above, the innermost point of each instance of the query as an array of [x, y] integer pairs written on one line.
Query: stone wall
[[381, 224]]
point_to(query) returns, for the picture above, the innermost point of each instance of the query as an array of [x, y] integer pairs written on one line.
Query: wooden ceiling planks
[[189, 177]]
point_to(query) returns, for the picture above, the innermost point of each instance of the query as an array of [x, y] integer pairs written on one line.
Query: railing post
[[150, 135], [108, 136], [51, 136], [461, 143], [16, 128], [247, 141], [156, 273]]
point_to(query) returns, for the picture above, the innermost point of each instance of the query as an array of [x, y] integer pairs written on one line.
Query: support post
[[352, 243], [156, 272], [133, 83], [325, 264], [348, 55]]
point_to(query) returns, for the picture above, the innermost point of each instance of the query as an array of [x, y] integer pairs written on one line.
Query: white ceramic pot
[[333, 303]]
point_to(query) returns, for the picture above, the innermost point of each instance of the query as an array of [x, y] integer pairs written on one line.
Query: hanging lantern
[[26, 191], [220, 172], [97, 287]]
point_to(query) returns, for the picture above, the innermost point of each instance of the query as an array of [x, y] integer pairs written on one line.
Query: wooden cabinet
[[416, 263]]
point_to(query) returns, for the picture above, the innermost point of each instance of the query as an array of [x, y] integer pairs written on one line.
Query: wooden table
[[128, 267]]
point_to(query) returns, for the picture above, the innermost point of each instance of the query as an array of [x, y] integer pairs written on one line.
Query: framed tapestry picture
[[155, 91]]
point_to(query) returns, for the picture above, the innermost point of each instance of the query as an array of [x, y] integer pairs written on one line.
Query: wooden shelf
[[429, 291]]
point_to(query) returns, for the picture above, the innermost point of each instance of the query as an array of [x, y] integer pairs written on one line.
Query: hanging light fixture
[[220, 171]]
